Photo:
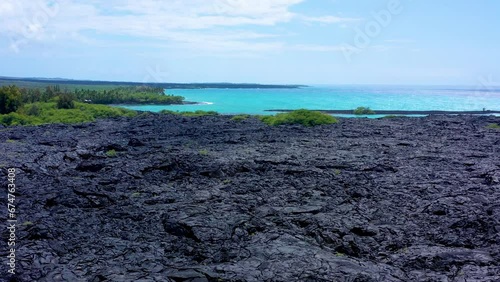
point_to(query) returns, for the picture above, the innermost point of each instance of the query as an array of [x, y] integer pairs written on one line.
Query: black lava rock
[[210, 199]]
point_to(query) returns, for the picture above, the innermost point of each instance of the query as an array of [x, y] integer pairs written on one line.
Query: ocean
[[257, 101]]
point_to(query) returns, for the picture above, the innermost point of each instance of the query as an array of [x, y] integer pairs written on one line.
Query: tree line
[[13, 97]]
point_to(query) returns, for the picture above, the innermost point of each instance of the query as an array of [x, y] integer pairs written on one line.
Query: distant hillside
[[42, 82]]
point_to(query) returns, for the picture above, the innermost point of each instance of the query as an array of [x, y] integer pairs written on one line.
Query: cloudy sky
[[444, 42]]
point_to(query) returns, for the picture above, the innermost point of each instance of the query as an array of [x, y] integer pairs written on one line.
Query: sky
[[402, 42]]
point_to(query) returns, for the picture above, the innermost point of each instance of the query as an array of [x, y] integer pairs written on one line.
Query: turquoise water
[[256, 101]]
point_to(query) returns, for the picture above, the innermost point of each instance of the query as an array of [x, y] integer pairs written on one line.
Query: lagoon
[[257, 101]]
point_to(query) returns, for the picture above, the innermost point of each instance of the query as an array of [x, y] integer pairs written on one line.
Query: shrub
[[111, 153], [18, 119], [66, 116], [493, 126], [303, 117], [103, 111], [39, 113], [190, 114], [363, 111], [240, 118], [34, 110], [168, 112], [10, 99], [66, 101], [199, 113]]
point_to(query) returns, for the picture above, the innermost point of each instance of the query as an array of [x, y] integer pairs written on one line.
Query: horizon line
[[41, 79]]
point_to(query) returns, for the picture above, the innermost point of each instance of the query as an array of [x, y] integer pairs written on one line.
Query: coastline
[[76, 82], [405, 198], [396, 112], [156, 104]]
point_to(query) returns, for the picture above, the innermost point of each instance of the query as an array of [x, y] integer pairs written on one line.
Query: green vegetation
[[10, 99], [136, 194], [240, 118], [106, 85], [190, 114], [391, 116], [128, 95], [70, 85], [27, 223], [363, 111], [42, 113], [204, 152], [303, 117], [66, 101], [493, 126], [10, 141], [34, 106], [34, 109], [17, 119], [119, 95], [111, 153]]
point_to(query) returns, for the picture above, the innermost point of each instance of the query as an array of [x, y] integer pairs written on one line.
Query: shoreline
[[397, 112], [155, 104]]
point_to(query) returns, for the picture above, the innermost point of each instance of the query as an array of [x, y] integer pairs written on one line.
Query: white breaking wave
[[206, 103]]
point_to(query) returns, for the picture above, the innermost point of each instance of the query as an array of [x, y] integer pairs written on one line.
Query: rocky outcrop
[[210, 199]]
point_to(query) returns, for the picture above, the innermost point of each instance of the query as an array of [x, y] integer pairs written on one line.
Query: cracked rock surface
[[168, 198]]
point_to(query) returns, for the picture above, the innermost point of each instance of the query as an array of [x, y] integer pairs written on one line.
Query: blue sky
[[265, 41]]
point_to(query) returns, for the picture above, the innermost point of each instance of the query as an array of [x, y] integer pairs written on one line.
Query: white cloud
[[209, 24], [328, 19], [6, 8]]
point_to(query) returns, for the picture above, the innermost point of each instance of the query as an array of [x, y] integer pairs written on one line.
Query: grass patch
[[203, 152], [391, 116], [111, 153], [363, 111], [27, 223], [240, 118], [10, 141], [303, 117], [190, 114], [493, 126]]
